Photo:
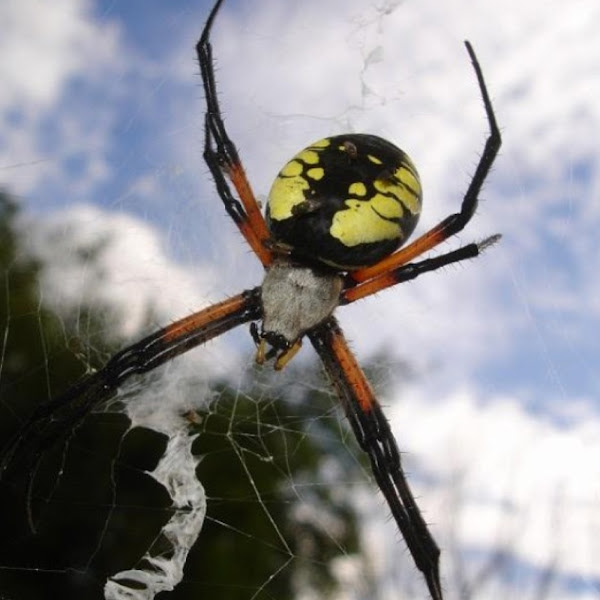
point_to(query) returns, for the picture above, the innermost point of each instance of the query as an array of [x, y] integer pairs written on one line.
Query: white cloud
[[45, 49], [501, 479], [45, 46], [116, 263]]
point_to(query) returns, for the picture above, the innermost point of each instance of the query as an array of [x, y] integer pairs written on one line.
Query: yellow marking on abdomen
[[357, 189], [286, 192], [361, 224], [316, 173]]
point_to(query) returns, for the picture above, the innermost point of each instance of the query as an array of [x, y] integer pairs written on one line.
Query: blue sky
[[101, 134]]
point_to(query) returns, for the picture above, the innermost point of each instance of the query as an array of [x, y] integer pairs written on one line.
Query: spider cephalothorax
[[294, 300], [338, 215]]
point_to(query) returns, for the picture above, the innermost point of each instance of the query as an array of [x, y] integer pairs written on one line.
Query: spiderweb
[[163, 570], [212, 478], [262, 445], [101, 467]]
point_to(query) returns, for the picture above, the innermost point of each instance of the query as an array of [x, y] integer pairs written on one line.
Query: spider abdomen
[[345, 201]]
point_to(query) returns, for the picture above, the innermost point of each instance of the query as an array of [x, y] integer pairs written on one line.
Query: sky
[[101, 138]]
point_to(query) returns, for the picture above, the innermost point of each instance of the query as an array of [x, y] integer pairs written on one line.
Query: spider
[[336, 218]]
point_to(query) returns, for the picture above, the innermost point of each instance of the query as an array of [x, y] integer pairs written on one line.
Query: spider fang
[[284, 358], [263, 354]]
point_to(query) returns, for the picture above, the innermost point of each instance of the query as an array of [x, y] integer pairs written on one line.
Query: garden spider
[[336, 215]]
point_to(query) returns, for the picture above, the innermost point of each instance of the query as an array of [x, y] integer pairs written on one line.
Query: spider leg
[[223, 160], [455, 222], [375, 437], [58, 418], [413, 270]]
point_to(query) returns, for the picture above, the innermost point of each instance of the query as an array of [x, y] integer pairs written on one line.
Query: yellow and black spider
[[336, 217]]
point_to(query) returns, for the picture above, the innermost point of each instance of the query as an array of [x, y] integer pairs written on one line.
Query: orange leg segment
[[223, 160], [413, 270], [376, 439], [419, 246], [209, 322], [254, 226]]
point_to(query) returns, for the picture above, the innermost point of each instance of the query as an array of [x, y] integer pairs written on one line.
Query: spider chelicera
[[336, 217]]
